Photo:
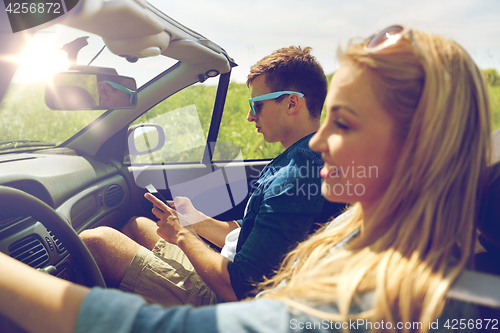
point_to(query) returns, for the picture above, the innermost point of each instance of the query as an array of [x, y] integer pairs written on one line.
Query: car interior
[[98, 175]]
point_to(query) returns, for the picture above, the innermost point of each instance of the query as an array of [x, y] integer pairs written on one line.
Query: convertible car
[[73, 158], [70, 159]]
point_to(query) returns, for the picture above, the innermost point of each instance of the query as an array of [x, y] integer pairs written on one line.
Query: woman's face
[[356, 140]]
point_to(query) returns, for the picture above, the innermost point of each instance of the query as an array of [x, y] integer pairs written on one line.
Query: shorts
[[166, 276]]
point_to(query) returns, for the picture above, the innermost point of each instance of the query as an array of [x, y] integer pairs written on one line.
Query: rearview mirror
[[90, 91]]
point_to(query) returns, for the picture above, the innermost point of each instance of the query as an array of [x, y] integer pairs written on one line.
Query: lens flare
[[41, 58]]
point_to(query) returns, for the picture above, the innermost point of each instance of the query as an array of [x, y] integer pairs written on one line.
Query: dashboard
[[85, 191]]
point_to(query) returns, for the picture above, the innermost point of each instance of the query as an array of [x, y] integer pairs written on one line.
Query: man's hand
[[171, 224], [176, 228], [211, 229], [184, 206]]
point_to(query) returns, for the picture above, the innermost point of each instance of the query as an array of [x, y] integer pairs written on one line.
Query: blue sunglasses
[[124, 89], [271, 96]]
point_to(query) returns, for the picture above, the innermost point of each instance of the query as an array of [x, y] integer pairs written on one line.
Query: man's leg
[[142, 230], [164, 275], [112, 251]]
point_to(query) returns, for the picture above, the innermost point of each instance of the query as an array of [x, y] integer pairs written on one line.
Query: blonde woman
[[406, 140], [413, 107]]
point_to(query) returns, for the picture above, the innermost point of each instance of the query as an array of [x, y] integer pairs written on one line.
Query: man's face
[[111, 97], [270, 118]]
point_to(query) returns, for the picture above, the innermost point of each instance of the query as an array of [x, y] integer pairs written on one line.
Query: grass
[[25, 116], [494, 92]]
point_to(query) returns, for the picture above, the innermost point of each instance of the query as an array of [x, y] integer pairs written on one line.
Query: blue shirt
[[114, 311], [285, 205]]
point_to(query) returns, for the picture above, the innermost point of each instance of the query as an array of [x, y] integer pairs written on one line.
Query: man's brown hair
[[294, 68]]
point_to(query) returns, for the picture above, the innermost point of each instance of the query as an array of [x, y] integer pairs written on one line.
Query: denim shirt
[[285, 205], [114, 311]]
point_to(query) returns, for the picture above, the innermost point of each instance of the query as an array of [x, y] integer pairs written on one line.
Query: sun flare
[[42, 57]]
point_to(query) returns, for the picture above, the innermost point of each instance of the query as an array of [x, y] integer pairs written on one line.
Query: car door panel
[[219, 190]]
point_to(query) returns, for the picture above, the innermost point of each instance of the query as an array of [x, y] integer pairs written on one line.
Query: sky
[[250, 29]]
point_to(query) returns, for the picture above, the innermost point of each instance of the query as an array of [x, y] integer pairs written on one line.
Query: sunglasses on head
[[272, 95], [386, 37]]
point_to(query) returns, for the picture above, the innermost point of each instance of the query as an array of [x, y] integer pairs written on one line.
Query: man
[[288, 91], [115, 94]]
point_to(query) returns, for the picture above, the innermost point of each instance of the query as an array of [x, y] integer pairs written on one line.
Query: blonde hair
[[422, 233]]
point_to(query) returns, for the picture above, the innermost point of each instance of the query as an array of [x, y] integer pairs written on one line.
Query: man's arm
[[214, 230], [210, 265], [209, 228], [37, 301]]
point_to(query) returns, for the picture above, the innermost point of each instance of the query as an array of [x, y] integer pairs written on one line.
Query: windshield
[[27, 122]]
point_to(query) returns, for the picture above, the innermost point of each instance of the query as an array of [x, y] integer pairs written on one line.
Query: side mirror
[[90, 91], [145, 139]]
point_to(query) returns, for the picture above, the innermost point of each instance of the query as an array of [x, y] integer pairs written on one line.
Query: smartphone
[[151, 189]]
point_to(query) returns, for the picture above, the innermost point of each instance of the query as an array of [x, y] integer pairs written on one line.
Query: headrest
[[74, 97]]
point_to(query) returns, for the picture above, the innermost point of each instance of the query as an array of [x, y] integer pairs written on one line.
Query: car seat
[[487, 259], [482, 286]]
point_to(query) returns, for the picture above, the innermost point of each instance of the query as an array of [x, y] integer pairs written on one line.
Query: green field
[[25, 116], [495, 106]]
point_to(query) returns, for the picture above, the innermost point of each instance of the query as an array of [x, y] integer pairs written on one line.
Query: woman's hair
[[422, 234]]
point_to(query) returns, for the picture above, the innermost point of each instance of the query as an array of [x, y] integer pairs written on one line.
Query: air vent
[[114, 195], [59, 246], [30, 251]]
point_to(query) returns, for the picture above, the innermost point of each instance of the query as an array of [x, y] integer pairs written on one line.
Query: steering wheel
[[14, 203]]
